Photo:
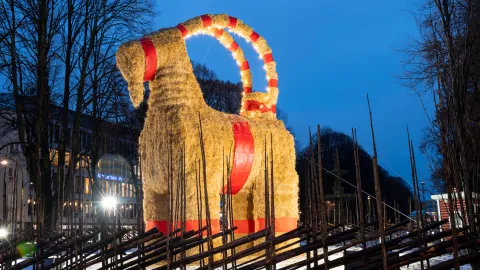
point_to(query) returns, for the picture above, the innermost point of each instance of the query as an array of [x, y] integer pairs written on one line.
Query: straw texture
[[175, 106]]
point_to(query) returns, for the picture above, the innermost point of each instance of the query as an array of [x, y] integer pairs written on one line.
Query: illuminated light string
[[214, 25], [229, 43]]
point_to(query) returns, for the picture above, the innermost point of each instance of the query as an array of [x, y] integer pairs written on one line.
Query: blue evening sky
[[329, 54]]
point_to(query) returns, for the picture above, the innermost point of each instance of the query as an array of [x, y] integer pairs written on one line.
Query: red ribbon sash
[[282, 225], [244, 152]]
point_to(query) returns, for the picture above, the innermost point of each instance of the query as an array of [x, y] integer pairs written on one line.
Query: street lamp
[[109, 202], [5, 162], [3, 233], [21, 204], [369, 210], [423, 191]]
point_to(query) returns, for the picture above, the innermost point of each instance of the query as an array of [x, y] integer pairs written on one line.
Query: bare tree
[[61, 53], [30, 69], [443, 66]]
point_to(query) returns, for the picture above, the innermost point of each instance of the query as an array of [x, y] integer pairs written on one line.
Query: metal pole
[[423, 191], [114, 239], [21, 203], [4, 196], [14, 201]]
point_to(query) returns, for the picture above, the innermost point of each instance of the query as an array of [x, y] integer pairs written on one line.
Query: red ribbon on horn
[[150, 59], [252, 105]]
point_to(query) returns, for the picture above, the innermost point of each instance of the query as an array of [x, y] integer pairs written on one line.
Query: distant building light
[[109, 177]]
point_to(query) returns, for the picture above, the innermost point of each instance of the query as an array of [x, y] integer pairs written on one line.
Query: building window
[[77, 184], [458, 220], [34, 206], [124, 190], [87, 185], [87, 206], [56, 136], [29, 207], [132, 191], [76, 207]]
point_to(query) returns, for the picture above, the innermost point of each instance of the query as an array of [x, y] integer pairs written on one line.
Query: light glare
[[3, 233], [109, 202]]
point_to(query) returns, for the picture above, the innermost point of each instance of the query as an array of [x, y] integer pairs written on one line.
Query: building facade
[[116, 174], [443, 210]]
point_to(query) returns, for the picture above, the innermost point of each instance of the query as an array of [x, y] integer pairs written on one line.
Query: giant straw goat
[[175, 107]]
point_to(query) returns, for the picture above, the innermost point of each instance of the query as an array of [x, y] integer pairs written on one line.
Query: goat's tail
[[253, 103]]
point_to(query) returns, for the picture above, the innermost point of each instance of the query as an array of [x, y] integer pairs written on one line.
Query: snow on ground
[[434, 261], [414, 266]]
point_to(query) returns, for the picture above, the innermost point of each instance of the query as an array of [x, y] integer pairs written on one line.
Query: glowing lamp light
[[109, 202], [4, 162], [3, 233]]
